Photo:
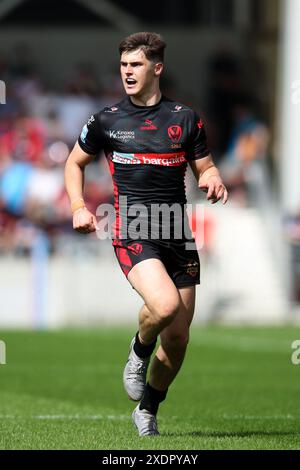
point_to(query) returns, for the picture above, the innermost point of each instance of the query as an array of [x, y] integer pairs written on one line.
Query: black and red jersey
[[147, 148]]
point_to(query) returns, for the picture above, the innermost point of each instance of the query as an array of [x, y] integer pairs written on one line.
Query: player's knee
[[167, 309]]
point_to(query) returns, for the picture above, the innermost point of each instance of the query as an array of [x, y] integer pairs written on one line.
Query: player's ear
[[158, 68]]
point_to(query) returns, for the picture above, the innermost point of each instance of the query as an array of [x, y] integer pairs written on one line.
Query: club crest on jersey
[[175, 133]]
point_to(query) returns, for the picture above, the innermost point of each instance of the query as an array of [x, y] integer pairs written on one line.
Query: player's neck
[[147, 99]]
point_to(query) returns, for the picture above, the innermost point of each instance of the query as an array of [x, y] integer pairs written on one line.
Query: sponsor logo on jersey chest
[[121, 135]]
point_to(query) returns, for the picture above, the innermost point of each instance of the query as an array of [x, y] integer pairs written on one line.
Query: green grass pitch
[[238, 389]]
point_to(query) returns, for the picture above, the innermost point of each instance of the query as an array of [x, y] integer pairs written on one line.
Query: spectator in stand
[[244, 165]]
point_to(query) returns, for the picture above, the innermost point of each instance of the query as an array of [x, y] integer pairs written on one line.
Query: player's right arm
[[83, 220]]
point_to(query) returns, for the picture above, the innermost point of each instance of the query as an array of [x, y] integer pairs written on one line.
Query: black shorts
[[182, 265]]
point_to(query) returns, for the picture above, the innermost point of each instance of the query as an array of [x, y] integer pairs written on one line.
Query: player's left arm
[[199, 157], [209, 179]]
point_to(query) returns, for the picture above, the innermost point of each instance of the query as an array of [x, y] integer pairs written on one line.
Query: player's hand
[[84, 221], [215, 189]]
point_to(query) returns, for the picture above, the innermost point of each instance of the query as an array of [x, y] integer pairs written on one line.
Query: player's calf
[[175, 344]]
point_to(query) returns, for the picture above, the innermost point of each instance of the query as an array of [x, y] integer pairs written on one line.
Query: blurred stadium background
[[63, 299], [236, 61]]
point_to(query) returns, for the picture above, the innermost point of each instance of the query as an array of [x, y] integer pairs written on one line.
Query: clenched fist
[[84, 221]]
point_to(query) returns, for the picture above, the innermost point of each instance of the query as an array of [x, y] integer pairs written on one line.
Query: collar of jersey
[[146, 107]]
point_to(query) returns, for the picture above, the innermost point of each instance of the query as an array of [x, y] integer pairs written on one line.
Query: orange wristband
[[77, 204]]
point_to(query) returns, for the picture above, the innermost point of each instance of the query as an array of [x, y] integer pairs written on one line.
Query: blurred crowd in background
[[39, 126]]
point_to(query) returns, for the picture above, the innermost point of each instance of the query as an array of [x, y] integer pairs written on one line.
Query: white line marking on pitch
[[61, 416], [260, 417], [74, 417]]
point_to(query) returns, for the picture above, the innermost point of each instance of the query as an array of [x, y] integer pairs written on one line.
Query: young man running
[[148, 141]]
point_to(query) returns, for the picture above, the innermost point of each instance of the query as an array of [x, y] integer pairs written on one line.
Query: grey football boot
[[134, 375], [145, 422]]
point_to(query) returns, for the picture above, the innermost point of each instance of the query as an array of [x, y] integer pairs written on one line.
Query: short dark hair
[[152, 44]]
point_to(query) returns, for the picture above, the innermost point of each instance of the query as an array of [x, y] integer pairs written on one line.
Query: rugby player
[[148, 141]]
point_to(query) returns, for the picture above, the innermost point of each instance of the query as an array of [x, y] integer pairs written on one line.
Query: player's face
[[138, 73]]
